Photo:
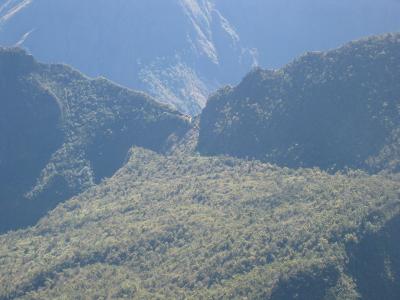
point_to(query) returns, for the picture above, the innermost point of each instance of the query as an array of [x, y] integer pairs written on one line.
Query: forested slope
[[62, 132], [262, 196], [181, 227], [331, 110]]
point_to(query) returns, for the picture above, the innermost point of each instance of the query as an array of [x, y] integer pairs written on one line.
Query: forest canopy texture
[[285, 187]]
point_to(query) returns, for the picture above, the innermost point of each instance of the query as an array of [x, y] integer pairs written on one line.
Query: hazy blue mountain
[[62, 132], [181, 50], [284, 29], [149, 218], [332, 109], [177, 50]]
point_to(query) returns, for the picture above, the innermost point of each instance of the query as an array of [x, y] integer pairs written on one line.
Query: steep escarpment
[[31, 131], [176, 50], [62, 132], [330, 110]]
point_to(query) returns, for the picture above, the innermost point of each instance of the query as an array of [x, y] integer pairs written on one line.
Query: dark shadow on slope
[[109, 149], [375, 263], [29, 135], [332, 110], [26, 212], [310, 285]]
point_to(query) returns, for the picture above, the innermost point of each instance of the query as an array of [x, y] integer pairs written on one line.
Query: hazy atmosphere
[[180, 51], [200, 149]]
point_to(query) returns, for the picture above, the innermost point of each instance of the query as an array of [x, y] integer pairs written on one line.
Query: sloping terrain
[[61, 132], [160, 221], [178, 227], [181, 50], [176, 50], [330, 110]]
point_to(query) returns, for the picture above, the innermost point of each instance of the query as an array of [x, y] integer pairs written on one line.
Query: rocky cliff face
[[178, 50]]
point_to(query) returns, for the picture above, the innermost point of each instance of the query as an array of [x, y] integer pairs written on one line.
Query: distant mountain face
[[284, 29], [62, 132], [177, 50], [330, 110], [181, 50]]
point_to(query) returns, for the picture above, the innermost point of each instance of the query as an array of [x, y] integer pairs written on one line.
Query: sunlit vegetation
[[188, 226], [300, 200]]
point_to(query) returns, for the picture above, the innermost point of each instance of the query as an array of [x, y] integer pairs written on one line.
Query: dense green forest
[[331, 110], [285, 187], [62, 132], [182, 226]]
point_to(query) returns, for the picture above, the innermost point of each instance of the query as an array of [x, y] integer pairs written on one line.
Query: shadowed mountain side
[[62, 132], [375, 262], [31, 131], [330, 110]]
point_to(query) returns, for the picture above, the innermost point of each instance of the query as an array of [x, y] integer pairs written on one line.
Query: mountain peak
[[331, 110], [162, 47], [16, 60]]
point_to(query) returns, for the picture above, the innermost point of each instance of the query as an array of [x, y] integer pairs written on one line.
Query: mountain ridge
[[166, 48], [131, 199], [86, 121], [301, 115]]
